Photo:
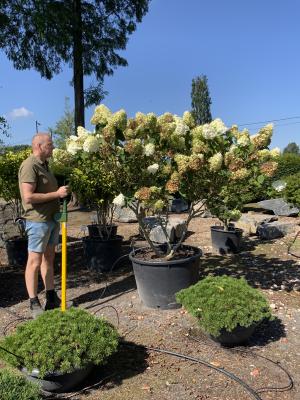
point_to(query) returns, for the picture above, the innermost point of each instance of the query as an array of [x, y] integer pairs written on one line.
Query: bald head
[[42, 145], [40, 138]]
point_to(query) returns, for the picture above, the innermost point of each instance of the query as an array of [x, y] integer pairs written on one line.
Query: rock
[[178, 205], [273, 230], [175, 229], [250, 221], [124, 214], [279, 207]]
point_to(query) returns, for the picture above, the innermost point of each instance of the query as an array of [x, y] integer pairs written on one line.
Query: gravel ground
[[139, 373]]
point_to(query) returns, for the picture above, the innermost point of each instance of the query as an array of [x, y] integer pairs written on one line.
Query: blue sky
[[249, 51]]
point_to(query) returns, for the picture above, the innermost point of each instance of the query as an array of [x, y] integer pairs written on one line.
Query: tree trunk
[[77, 65]]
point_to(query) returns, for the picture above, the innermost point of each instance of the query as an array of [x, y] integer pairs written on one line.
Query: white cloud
[[21, 112]]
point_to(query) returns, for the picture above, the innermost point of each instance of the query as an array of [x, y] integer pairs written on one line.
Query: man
[[40, 199]]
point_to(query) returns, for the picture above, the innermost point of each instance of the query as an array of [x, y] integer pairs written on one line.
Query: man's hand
[[62, 191]]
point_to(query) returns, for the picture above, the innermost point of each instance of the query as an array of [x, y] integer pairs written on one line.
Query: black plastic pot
[[158, 281], [57, 382], [226, 241], [100, 254], [100, 230], [237, 336], [17, 252]]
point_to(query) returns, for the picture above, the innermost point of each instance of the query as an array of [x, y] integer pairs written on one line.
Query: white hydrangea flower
[[152, 169], [119, 200], [181, 128], [149, 149], [91, 144], [208, 132], [215, 162], [73, 138], [232, 148], [219, 126], [73, 147], [243, 140], [81, 131], [275, 152]]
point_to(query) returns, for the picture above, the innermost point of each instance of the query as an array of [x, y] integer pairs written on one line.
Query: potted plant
[[226, 308], [94, 186], [13, 385], [13, 232], [152, 158], [249, 165], [59, 349]]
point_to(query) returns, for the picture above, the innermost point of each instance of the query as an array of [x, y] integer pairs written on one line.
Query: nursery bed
[[136, 373]]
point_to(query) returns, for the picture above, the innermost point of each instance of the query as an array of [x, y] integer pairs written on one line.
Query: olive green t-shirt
[[33, 170]]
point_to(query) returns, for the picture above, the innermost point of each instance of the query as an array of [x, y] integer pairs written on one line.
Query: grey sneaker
[[36, 309]]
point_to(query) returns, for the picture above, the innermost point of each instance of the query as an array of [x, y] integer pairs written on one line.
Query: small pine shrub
[[292, 189], [14, 386], [61, 341], [223, 302]]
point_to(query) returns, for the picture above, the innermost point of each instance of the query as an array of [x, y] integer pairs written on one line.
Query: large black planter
[[17, 253], [158, 281], [100, 254], [100, 230], [237, 336], [226, 241], [57, 382]]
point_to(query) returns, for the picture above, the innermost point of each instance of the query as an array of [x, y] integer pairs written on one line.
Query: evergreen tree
[[291, 148], [46, 34], [201, 100], [65, 127]]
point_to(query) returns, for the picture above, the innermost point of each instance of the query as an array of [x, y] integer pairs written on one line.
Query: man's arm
[[30, 197]]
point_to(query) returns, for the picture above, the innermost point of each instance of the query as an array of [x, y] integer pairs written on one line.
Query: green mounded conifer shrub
[[61, 342], [14, 386], [292, 189], [222, 302]]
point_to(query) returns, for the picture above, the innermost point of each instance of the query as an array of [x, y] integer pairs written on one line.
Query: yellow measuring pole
[[63, 220], [64, 266]]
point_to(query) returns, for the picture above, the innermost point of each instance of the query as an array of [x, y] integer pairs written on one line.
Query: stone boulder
[[249, 222], [174, 229], [178, 206], [274, 230], [279, 207], [124, 214]]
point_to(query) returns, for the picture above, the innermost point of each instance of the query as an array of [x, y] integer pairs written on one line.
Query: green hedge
[[292, 189], [288, 164]]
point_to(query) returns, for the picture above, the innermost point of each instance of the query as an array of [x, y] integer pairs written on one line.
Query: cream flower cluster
[[149, 149], [215, 162], [263, 138], [152, 169], [119, 200], [91, 144], [214, 129], [101, 115]]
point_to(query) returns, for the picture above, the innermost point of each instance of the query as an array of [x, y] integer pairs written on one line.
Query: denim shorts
[[40, 234]]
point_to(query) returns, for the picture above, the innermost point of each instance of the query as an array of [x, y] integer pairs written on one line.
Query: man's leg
[[47, 267], [31, 273], [31, 279]]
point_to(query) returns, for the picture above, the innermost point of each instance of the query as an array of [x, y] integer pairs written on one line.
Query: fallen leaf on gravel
[[215, 363], [146, 387], [255, 372], [140, 317]]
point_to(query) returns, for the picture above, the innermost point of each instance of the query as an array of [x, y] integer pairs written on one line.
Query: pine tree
[[201, 100], [291, 148]]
